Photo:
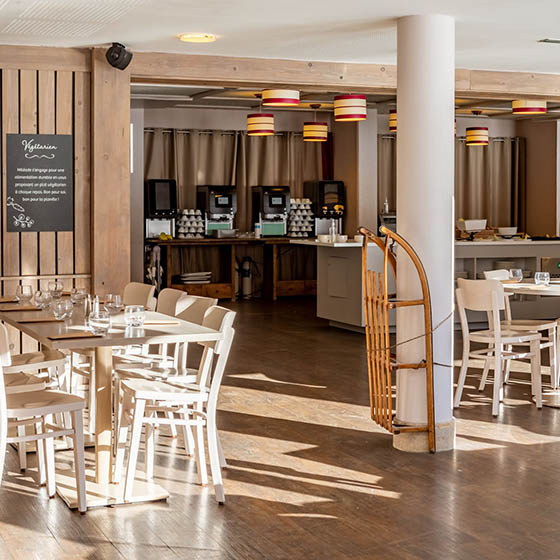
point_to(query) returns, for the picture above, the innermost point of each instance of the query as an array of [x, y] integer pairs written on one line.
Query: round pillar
[[425, 216]]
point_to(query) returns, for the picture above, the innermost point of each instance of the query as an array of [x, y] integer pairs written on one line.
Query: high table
[[99, 488], [550, 398]]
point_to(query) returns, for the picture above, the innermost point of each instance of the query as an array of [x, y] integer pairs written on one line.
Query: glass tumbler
[[99, 322], [43, 299], [62, 309], [542, 278], [516, 274], [113, 304], [24, 294], [56, 288], [134, 315]]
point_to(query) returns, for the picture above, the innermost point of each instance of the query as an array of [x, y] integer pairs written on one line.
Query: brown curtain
[[386, 172], [489, 182]]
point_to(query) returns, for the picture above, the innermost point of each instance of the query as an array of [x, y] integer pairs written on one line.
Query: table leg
[[233, 263], [103, 413]]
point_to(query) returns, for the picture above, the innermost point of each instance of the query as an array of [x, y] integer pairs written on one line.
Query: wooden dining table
[[73, 334], [531, 289]]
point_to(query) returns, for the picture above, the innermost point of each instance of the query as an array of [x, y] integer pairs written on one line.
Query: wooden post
[[110, 216], [103, 413]]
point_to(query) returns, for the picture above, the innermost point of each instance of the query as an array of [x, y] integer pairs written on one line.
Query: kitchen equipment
[[155, 226], [270, 207], [218, 204], [221, 233], [471, 226], [160, 207], [328, 199], [389, 221], [551, 265]]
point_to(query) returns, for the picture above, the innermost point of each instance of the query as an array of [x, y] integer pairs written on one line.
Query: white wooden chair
[[36, 409], [136, 293], [488, 296], [192, 403], [547, 329]]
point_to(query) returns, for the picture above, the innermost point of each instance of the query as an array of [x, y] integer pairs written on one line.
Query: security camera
[[118, 57]]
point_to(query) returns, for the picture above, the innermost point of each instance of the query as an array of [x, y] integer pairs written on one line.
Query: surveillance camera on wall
[[118, 57]]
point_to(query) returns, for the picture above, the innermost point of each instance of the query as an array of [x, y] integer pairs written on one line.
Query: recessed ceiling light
[[197, 37]]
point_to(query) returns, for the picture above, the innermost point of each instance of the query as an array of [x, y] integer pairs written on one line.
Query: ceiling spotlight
[[197, 37]]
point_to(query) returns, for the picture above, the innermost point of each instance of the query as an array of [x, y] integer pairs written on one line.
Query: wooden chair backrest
[[500, 274], [168, 301], [194, 308], [477, 295], [136, 293]]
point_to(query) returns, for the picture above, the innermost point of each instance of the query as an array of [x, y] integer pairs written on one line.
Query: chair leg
[[553, 354], [223, 462], [484, 377], [3, 443], [536, 377], [137, 421], [200, 455], [91, 400], [22, 449], [150, 452], [462, 376], [79, 460], [122, 435], [188, 440], [507, 365], [215, 467], [172, 427], [49, 460], [498, 388], [40, 449]]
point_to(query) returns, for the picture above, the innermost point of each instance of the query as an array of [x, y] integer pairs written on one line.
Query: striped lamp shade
[[315, 131], [393, 120], [528, 107], [477, 136], [350, 108], [280, 98], [260, 124]]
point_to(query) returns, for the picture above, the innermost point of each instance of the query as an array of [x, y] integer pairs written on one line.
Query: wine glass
[[62, 309], [134, 315], [43, 299], [542, 278], [78, 295], [99, 322], [516, 274], [56, 288], [24, 294], [113, 304]]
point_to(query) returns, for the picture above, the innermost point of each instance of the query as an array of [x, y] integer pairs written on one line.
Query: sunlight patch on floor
[[263, 377]]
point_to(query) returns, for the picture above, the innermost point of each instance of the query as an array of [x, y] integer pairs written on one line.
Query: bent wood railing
[[381, 361]]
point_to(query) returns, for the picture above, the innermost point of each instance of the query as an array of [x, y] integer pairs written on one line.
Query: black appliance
[[218, 204], [328, 199], [270, 207], [160, 198]]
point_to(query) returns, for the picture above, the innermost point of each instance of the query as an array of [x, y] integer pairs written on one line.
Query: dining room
[[280, 289]]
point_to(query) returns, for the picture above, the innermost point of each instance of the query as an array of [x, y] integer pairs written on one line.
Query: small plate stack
[[190, 224], [300, 219]]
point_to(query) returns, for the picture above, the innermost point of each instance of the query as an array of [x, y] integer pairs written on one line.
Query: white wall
[[137, 197]]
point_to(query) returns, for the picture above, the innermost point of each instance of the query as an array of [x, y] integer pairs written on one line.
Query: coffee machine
[[270, 208], [160, 207], [218, 204], [328, 203]]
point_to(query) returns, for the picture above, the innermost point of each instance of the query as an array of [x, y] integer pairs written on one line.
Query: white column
[[425, 185]]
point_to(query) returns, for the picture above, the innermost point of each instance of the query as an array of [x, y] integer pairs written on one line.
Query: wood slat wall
[[47, 101]]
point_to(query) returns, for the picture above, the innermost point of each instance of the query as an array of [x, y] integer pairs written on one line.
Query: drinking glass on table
[[56, 288], [542, 278], [62, 309], [134, 315], [24, 294], [113, 304], [516, 274], [78, 295], [43, 299], [99, 322]]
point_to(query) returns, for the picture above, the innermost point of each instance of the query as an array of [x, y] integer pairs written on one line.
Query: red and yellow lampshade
[[477, 136], [260, 124], [315, 131], [280, 98], [350, 108], [528, 107], [393, 120]]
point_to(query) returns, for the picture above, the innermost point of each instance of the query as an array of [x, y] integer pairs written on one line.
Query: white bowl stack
[[300, 219], [189, 224]]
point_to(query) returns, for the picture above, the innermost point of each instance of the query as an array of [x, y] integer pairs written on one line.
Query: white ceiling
[[491, 34]]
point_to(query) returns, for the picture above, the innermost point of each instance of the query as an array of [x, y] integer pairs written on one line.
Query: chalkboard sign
[[40, 182]]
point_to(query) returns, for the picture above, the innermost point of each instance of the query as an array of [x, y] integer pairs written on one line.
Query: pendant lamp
[[393, 120], [280, 98], [260, 124], [528, 107], [477, 136], [350, 108], [314, 131]]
